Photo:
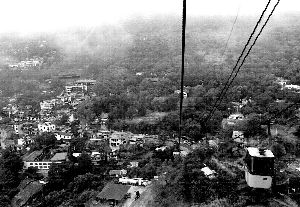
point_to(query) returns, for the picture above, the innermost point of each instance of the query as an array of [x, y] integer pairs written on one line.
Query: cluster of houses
[[25, 124], [27, 64], [285, 86]]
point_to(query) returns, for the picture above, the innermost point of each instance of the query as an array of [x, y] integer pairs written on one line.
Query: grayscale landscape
[[92, 112]]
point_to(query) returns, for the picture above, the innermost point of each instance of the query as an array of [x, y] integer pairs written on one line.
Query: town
[[100, 116], [52, 137]]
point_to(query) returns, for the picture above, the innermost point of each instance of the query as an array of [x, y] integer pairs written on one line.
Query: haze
[[27, 16]]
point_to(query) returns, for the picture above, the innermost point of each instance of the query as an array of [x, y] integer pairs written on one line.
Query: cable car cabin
[[260, 167]]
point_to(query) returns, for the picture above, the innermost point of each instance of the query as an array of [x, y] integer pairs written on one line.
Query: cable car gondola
[[259, 167]]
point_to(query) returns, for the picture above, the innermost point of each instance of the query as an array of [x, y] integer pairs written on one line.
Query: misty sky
[[28, 16]]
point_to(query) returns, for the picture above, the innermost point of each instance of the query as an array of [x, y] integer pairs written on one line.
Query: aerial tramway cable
[[232, 27], [182, 71], [242, 53], [230, 81]]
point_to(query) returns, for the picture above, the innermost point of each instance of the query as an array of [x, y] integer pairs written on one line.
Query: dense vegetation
[[137, 68]]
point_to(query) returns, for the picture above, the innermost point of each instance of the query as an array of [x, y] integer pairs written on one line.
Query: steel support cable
[[226, 87], [227, 41], [256, 38], [234, 68], [242, 53], [182, 71]]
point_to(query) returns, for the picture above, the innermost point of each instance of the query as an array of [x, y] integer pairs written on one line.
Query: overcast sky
[[28, 16]]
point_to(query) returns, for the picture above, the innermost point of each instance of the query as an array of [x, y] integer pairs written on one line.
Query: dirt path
[[145, 199]]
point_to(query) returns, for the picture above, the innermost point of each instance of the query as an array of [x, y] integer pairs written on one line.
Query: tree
[[45, 141], [84, 163], [5, 201], [278, 150], [32, 173], [85, 111], [74, 128], [63, 120], [60, 176], [253, 127], [85, 182], [10, 166], [77, 145]]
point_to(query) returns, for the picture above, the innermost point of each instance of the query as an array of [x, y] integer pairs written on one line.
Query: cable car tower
[[259, 167]]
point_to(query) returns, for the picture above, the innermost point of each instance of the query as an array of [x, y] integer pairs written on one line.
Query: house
[[237, 134], [113, 155], [47, 104], [185, 91], [63, 135], [104, 118], [22, 142], [117, 173], [28, 128], [295, 88], [98, 157], [85, 82], [113, 193], [79, 85], [100, 135], [9, 143], [281, 81], [74, 88], [208, 172], [27, 189], [24, 128], [137, 139], [60, 157], [182, 153], [76, 154], [235, 121], [46, 127], [133, 164], [151, 139], [119, 138], [236, 116], [6, 133], [35, 159], [163, 148]]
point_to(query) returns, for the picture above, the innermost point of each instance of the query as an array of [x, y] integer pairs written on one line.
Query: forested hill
[[154, 45]]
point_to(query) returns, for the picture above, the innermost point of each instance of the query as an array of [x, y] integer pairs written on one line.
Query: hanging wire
[[182, 71]]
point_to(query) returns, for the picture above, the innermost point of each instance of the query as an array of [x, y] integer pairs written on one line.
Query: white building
[[80, 85], [185, 93], [208, 172], [292, 87], [100, 135], [137, 138], [46, 127], [238, 134], [236, 117], [41, 165], [34, 159], [47, 104], [71, 88], [118, 138], [63, 135]]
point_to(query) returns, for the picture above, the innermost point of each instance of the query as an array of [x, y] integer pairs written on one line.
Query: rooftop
[[253, 151], [32, 156], [27, 189], [113, 192], [60, 156], [86, 81]]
